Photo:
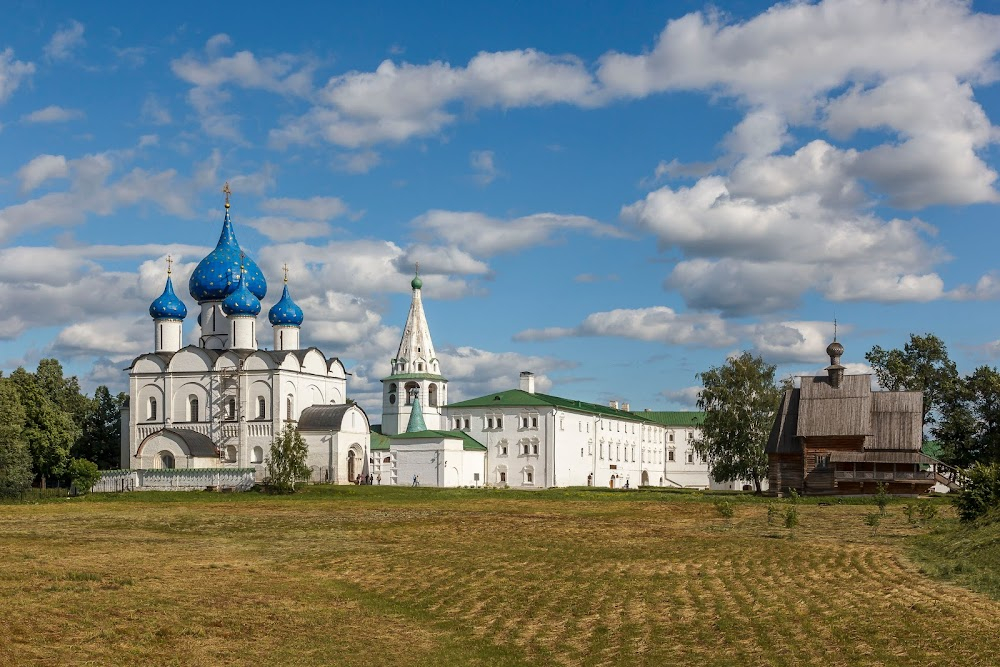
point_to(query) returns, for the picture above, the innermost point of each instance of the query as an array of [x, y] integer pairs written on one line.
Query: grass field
[[374, 575]]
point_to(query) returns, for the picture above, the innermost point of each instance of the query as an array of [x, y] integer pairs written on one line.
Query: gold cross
[[285, 269], [227, 191], [170, 262]]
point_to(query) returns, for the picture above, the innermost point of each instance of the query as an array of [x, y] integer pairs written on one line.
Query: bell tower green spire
[[416, 422]]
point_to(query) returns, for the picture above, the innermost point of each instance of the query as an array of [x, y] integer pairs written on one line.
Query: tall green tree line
[[47, 420]]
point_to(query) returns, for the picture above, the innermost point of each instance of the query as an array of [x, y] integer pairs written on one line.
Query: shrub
[[881, 497], [910, 510], [793, 496], [981, 491], [791, 517], [83, 474], [725, 509], [927, 511], [772, 514], [873, 520]]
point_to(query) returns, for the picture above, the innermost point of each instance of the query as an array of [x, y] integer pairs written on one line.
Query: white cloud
[[12, 73], [482, 235], [284, 74], [41, 169], [360, 162], [154, 111], [482, 164], [397, 102], [52, 114], [656, 324], [474, 372], [65, 41], [686, 397], [790, 230], [278, 228], [313, 208]]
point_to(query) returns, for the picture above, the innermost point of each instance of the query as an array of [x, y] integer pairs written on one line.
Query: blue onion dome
[[167, 306], [286, 312], [241, 301], [210, 280]]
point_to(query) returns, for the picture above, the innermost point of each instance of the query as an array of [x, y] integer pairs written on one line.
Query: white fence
[[177, 479]]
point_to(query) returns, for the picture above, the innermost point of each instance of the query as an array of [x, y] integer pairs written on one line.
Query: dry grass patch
[[383, 576]]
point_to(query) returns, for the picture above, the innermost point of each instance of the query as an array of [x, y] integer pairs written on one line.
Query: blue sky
[[614, 197]]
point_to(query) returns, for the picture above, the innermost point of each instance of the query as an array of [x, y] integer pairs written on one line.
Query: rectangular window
[[499, 421], [690, 457], [503, 477], [670, 455], [466, 423], [534, 422], [581, 452], [531, 478], [822, 461], [503, 450], [489, 422]]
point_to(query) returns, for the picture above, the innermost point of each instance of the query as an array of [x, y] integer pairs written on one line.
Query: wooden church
[[834, 435]]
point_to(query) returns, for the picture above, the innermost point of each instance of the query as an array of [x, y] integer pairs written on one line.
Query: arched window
[[152, 409], [231, 453], [261, 407], [411, 392], [257, 455], [392, 394], [432, 395], [166, 460], [289, 408], [231, 409], [193, 409]]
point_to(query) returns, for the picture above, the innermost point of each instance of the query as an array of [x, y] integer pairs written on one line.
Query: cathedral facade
[[219, 404]]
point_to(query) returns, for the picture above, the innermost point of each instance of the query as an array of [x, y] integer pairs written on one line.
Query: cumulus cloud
[[483, 235], [482, 164], [783, 232], [657, 323], [41, 169], [777, 341], [313, 208], [399, 101], [64, 42], [211, 72], [12, 73], [52, 114]]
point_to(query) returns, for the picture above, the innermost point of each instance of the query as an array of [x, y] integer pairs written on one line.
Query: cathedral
[[215, 407], [220, 403]]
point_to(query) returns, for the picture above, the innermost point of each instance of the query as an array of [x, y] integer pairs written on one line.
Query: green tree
[[48, 430], [968, 426], [980, 493], [922, 365], [83, 474], [286, 461], [15, 460], [100, 439], [739, 399], [63, 391]]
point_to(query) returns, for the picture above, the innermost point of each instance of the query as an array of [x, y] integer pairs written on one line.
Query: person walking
[[379, 479]]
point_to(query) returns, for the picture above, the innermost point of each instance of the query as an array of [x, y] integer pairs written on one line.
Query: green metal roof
[[520, 398], [414, 376], [379, 442], [469, 443], [679, 418]]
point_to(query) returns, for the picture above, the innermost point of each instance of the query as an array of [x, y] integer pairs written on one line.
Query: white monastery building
[[220, 403], [520, 437]]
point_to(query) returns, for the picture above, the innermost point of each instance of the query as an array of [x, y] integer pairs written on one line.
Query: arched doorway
[[645, 478], [590, 479], [611, 484], [352, 473]]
